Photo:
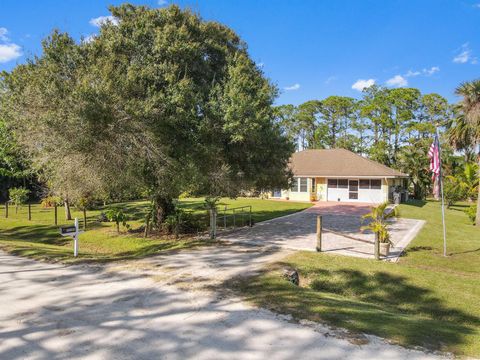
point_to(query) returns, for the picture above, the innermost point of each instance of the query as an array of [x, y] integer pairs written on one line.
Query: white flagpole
[[440, 178]]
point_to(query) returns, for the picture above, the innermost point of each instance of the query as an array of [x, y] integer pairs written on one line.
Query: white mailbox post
[[72, 231]]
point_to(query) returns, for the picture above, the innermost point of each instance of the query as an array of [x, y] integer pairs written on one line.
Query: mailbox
[[67, 230]]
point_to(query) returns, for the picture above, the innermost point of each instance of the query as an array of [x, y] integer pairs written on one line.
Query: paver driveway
[[341, 231]]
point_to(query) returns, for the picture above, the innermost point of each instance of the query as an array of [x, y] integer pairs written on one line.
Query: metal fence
[[231, 218]]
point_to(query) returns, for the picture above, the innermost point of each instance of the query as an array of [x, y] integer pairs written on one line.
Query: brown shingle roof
[[338, 162]]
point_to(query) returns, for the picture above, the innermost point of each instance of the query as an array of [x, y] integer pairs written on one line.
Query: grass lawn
[[40, 238], [424, 299]]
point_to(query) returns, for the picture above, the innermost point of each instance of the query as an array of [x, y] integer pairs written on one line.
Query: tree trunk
[[163, 207], [377, 247], [68, 215], [477, 217]]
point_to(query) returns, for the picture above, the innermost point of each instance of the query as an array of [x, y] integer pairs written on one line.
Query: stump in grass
[[291, 275]]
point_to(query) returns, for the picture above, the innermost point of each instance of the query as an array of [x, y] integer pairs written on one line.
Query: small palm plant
[[378, 217]]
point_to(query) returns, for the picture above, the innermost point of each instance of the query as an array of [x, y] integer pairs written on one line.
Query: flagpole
[[441, 191]]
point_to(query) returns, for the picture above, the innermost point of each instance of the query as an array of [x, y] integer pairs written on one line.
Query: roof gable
[[338, 162]]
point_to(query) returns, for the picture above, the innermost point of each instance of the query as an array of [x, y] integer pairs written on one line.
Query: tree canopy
[[161, 101]]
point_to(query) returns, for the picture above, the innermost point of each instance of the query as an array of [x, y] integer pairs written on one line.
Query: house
[[341, 175]]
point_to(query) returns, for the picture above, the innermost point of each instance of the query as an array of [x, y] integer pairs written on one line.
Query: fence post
[[84, 219], [6, 210], [56, 216], [319, 233], [234, 222], [225, 218], [250, 217], [29, 212], [213, 224], [377, 245]]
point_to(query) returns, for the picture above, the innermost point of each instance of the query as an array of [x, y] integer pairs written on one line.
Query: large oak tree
[[160, 100]]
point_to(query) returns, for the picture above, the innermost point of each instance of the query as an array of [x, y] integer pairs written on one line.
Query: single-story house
[[341, 175]]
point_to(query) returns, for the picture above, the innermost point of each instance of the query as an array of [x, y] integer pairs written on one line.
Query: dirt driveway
[[170, 306], [133, 311]]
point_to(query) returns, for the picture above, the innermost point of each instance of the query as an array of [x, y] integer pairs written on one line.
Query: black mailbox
[[68, 230]]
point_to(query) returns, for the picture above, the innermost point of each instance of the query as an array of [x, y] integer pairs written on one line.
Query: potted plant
[[377, 218], [384, 240]]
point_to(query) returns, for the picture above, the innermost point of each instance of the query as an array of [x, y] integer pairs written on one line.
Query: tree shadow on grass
[[382, 304], [44, 234], [416, 203], [458, 207]]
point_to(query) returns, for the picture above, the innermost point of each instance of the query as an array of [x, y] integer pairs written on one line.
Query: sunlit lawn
[[40, 238], [425, 299]]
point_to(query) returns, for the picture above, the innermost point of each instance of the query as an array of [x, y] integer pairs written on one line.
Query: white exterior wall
[[324, 193], [375, 196]]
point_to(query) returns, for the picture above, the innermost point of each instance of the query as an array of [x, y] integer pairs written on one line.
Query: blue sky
[[310, 49]]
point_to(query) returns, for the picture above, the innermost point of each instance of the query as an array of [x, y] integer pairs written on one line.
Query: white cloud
[[361, 84], [431, 71], [89, 38], [292, 88], [9, 52], [411, 73], [425, 71], [397, 81], [260, 64], [462, 58], [330, 79], [162, 2], [101, 20], [465, 55], [3, 34], [476, 5]]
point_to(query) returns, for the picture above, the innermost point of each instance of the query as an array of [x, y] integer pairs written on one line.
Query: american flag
[[434, 155]]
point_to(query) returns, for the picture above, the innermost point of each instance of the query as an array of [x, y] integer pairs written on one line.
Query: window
[[365, 184], [303, 184], [295, 185], [353, 195], [332, 183], [375, 184], [342, 183]]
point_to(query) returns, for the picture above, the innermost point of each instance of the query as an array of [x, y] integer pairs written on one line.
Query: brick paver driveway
[[341, 231]]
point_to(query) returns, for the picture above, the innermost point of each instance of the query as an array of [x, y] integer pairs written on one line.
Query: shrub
[[18, 196], [118, 216], [84, 203], [182, 222], [51, 201], [452, 191], [471, 212]]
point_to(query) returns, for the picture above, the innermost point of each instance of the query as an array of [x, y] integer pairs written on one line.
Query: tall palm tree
[[464, 131]]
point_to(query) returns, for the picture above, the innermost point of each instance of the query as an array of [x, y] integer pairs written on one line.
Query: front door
[[353, 189]]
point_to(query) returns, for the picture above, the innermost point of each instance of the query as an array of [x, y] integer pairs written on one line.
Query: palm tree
[[464, 130], [412, 160], [378, 217]]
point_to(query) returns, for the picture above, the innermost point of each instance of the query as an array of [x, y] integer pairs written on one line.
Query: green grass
[[40, 239], [423, 300]]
